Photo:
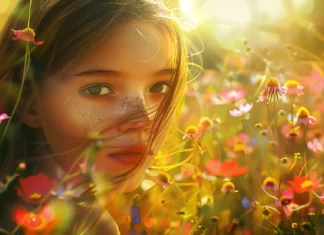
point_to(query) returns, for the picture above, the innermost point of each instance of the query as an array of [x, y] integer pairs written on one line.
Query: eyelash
[[161, 83], [86, 89]]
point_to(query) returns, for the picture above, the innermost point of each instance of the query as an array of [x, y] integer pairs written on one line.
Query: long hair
[[69, 29]]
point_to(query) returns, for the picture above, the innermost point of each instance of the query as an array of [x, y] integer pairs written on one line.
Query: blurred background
[[219, 26]]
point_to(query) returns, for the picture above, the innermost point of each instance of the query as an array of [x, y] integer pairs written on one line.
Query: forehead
[[132, 45]]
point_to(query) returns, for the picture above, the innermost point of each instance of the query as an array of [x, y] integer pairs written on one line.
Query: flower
[[303, 117], [192, 132], [238, 139], [3, 116], [209, 77], [243, 109], [228, 187], [315, 145], [269, 183], [191, 90], [293, 88], [227, 168], [301, 184], [208, 97], [68, 192], [272, 91], [27, 35], [35, 222], [34, 188], [186, 171], [233, 95], [314, 82]]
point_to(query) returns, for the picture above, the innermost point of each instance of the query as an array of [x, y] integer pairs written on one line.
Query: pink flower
[[272, 91], [192, 132], [186, 171], [238, 139], [191, 90], [210, 99], [320, 107], [293, 88], [27, 35], [209, 77], [243, 109], [34, 188], [205, 124], [233, 95], [315, 145], [315, 82], [303, 117], [3, 116]]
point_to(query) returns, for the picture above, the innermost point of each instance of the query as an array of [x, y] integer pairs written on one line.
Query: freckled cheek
[[64, 116]]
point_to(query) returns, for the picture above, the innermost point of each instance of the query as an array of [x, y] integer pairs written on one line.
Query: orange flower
[[35, 222], [227, 168], [301, 184]]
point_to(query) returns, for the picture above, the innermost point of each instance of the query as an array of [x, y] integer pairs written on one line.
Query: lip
[[130, 156]]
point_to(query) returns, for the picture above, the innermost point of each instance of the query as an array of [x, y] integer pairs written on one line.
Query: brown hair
[[69, 28]]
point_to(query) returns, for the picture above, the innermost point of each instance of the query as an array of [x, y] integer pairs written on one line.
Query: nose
[[135, 125], [136, 118]]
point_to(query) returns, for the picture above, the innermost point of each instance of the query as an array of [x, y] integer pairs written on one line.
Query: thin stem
[[26, 65], [29, 13]]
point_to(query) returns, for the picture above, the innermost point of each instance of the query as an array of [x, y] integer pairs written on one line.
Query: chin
[[130, 184]]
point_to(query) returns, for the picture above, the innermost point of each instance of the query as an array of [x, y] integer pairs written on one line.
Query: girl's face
[[114, 90]]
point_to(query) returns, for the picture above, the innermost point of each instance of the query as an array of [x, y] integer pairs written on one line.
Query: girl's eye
[[160, 87], [97, 90]]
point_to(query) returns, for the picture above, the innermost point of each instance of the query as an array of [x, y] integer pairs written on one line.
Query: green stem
[[26, 66], [29, 13]]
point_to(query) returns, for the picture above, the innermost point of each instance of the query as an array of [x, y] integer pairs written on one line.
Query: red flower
[[27, 35], [228, 168], [35, 222], [34, 188], [301, 184]]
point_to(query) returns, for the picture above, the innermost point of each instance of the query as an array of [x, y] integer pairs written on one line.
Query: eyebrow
[[98, 72], [165, 71], [106, 73]]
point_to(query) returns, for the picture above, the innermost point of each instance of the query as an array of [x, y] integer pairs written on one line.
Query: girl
[[85, 82]]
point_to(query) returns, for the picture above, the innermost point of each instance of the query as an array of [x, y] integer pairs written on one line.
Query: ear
[[30, 115]]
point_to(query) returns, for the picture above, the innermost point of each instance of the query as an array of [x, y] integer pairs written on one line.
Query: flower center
[[292, 84], [302, 113], [191, 129], [207, 122], [228, 187], [69, 193], [33, 221], [29, 31], [272, 82], [35, 196], [269, 182], [306, 184]]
